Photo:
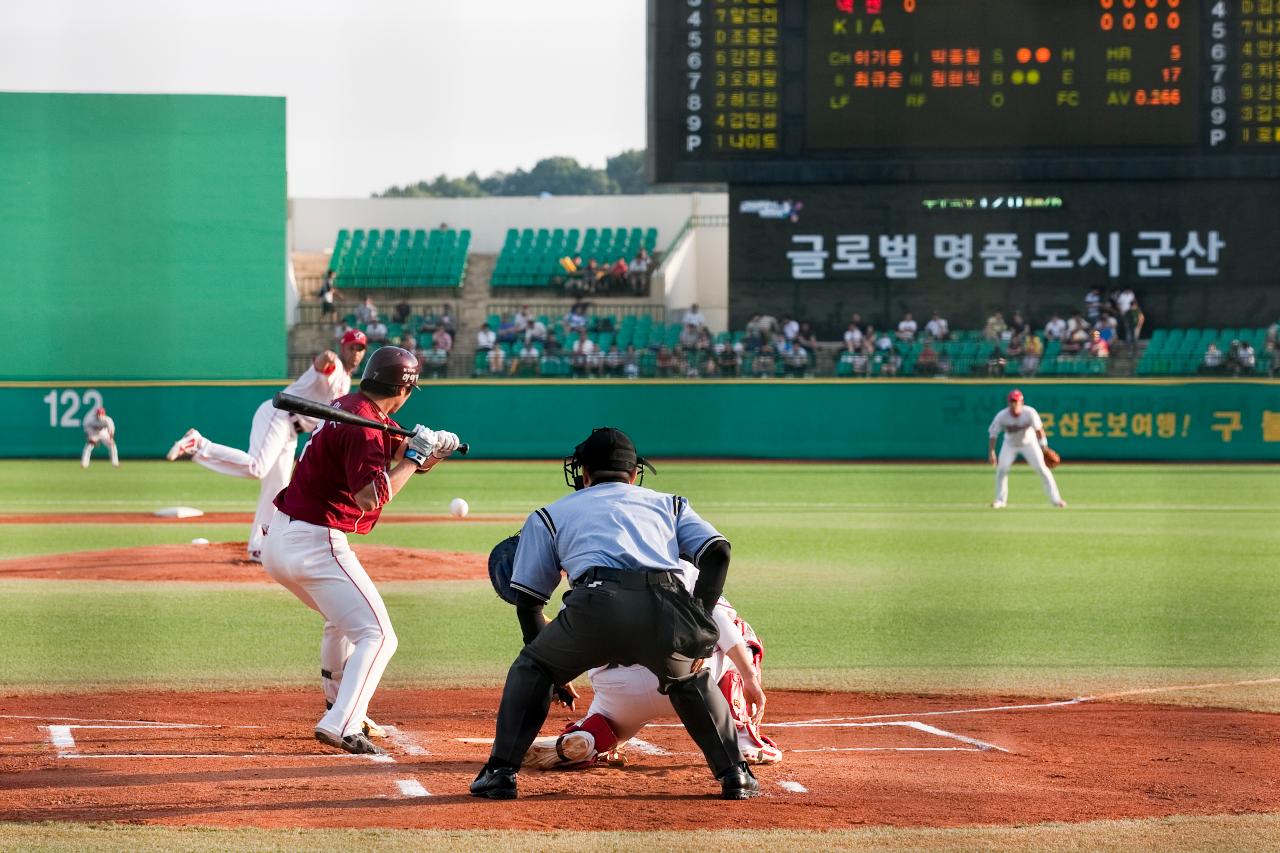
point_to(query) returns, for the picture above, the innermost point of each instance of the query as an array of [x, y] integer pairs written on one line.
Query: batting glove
[[446, 443]]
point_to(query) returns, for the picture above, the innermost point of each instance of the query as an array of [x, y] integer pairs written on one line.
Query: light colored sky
[[380, 92]]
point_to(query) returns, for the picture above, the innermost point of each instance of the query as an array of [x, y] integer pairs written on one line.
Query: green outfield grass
[[865, 577]]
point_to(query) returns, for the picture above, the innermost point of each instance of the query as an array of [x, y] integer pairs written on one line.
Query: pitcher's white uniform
[[99, 428], [273, 439], [628, 697], [1020, 439]]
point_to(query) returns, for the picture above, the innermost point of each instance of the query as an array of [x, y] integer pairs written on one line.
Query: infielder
[[1023, 436], [346, 475], [627, 698], [99, 428], [273, 438]]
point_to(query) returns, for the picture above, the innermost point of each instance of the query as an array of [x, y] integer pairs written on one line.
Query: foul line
[[405, 742], [412, 788], [646, 748], [1079, 700]]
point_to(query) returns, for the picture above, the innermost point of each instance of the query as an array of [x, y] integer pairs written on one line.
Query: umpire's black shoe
[[357, 744], [739, 783], [496, 783]]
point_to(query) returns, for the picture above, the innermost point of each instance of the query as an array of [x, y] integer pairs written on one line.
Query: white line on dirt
[[385, 758], [1120, 694], [87, 720], [645, 748], [309, 756], [793, 787], [412, 788], [60, 737], [980, 744], [890, 749], [405, 741], [474, 740]]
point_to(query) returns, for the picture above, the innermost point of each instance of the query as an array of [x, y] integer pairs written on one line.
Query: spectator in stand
[[506, 329], [807, 339], [790, 328], [1031, 355], [583, 347], [666, 363], [882, 342], [1093, 305], [591, 276], [486, 338], [442, 341], [927, 360], [856, 319], [1272, 349], [728, 359], [937, 327], [446, 320], [407, 342], [402, 312], [526, 362], [618, 276], [631, 362], [768, 326], [553, 346], [521, 321], [340, 330], [575, 320], [853, 337], [797, 357], [495, 360], [1122, 299], [430, 322], [689, 336], [995, 328], [1077, 340], [997, 360], [1055, 329], [693, 317], [638, 272], [1241, 358], [1098, 346], [328, 293], [613, 361], [1014, 348], [376, 331], [765, 360], [907, 328], [1134, 319], [1108, 327], [1018, 327], [537, 331], [576, 282], [889, 360], [367, 312], [1213, 361]]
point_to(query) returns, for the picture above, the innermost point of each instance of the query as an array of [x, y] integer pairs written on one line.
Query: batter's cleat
[[739, 783], [356, 744], [997, 504], [185, 446], [1060, 504], [568, 749], [495, 783]]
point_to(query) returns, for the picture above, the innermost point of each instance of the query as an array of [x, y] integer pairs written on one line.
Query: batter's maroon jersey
[[340, 460]]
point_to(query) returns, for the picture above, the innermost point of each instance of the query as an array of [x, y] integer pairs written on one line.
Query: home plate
[[179, 512]]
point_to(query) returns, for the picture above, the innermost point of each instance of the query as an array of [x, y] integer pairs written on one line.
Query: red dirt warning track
[[248, 759]]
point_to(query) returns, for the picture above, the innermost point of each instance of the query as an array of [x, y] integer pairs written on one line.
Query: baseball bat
[[312, 409]]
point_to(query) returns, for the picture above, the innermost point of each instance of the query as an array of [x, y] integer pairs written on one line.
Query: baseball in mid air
[[459, 508]]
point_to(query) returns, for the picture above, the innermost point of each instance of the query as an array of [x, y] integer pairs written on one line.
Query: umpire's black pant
[[604, 622]]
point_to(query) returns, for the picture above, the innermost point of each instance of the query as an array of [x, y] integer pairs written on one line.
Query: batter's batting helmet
[[393, 366]]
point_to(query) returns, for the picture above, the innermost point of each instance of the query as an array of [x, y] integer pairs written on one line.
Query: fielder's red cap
[[1015, 394], [355, 336]]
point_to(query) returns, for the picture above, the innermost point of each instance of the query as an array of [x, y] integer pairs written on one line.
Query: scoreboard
[[812, 91]]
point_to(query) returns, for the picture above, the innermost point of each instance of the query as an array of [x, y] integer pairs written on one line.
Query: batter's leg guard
[[706, 717]]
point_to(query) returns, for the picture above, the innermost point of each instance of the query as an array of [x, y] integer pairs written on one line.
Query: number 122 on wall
[[71, 403]]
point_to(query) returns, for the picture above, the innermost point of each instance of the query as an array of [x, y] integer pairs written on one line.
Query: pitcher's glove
[[1051, 458]]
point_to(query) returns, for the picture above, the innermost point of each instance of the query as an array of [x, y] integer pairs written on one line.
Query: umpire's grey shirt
[[614, 525]]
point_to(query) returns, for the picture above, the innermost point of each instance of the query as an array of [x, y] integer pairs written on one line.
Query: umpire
[[620, 545]]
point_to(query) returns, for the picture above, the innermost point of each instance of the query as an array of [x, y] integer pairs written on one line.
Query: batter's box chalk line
[[62, 739]]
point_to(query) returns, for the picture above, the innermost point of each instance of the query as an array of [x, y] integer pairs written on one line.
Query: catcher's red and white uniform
[[1020, 440], [626, 699]]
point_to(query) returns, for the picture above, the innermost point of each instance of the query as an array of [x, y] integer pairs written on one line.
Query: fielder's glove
[[1051, 458]]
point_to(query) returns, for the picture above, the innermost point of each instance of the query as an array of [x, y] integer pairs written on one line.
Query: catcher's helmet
[[393, 366], [606, 450]]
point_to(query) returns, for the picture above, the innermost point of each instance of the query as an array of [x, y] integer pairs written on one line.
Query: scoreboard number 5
[[71, 402]]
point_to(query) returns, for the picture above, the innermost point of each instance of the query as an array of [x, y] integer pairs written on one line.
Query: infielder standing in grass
[[273, 438], [99, 428], [346, 475], [1023, 436]]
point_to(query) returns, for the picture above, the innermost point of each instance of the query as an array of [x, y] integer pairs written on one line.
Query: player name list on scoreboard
[[839, 82]]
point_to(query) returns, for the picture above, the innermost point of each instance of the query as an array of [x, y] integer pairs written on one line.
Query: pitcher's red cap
[[355, 336], [1015, 394]]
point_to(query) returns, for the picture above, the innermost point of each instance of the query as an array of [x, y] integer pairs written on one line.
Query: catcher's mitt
[[1051, 458], [501, 563]]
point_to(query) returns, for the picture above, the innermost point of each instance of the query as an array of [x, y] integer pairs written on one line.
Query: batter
[[1023, 436], [346, 475], [99, 428], [273, 438]]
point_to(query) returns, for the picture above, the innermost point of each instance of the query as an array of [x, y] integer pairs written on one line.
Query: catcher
[[1023, 436], [626, 698]]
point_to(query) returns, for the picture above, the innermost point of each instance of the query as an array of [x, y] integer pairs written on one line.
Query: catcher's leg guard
[[756, 747]]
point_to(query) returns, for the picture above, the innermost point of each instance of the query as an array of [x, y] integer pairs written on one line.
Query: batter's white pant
[[272, 444], [92, 440], [1035, 458], [318, 566]]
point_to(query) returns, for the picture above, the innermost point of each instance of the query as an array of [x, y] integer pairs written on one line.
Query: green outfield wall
[[921, 419], [142, 236]]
